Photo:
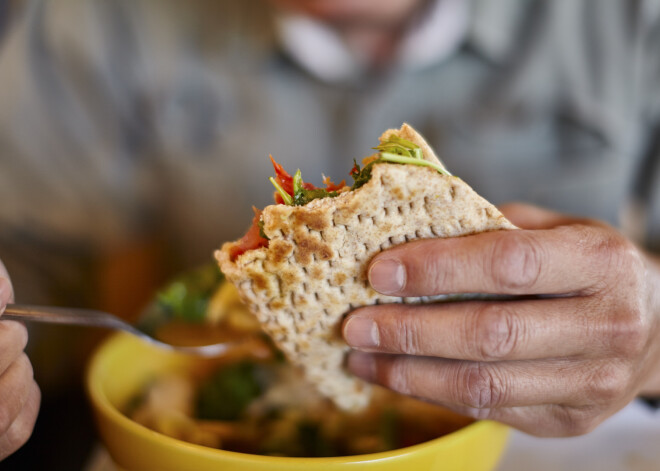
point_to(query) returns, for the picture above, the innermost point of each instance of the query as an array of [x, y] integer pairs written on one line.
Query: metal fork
[[94, 318]]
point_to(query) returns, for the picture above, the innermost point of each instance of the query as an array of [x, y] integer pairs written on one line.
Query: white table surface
[[628, 441]]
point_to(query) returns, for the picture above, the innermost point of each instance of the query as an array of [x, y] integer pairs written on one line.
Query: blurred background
[[134, 135]]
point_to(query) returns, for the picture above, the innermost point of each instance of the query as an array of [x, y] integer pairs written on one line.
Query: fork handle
[[94, 318], [63, 315]]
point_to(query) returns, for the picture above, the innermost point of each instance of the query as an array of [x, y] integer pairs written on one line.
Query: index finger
[[566, 259]]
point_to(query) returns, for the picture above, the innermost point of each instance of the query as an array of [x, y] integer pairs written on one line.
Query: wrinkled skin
[[19, 393], [552, 365]]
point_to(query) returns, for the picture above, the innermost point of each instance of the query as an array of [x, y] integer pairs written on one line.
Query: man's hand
[[19, 393], [558, 362]]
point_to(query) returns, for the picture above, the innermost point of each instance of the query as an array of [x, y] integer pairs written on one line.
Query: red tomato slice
[[251, 240]]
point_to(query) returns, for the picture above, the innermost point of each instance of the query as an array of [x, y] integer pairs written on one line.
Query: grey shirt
[[124, 118]]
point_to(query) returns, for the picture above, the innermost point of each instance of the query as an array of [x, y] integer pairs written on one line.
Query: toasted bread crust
[[314, 270]]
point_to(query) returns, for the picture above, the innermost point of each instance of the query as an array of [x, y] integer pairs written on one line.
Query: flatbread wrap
[[304, 266]]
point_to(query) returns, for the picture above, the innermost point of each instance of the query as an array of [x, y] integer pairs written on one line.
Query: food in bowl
[[198, 308], [124, 366], [263, 405], [252, 400]]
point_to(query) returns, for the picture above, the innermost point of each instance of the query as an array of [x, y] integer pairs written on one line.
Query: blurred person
[[135, 133]]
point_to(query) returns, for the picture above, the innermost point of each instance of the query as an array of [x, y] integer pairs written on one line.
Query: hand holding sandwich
[[582, 345], [563, 331]]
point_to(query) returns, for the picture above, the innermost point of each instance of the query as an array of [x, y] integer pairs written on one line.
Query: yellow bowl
[[123, 365]]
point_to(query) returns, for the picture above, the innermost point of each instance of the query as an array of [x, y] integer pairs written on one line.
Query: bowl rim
[[102, 404]]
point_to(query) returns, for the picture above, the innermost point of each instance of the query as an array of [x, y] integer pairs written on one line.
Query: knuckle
[[607, 384], [479, 387], [614, 248], [497, 332], [578, 421], [627, 329], [516, 262], [435, 273], [622, 261], [408, 335]]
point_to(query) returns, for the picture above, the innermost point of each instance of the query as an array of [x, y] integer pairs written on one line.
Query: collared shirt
[[124, 118], [433, 36]]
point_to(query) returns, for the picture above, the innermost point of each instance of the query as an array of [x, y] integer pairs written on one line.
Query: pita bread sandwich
[[302, 266]]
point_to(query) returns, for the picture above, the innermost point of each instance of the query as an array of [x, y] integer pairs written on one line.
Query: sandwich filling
[[293, 191]]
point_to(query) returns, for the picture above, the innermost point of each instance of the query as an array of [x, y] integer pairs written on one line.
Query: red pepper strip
[[329, 186], [284, 179], [251, 240]]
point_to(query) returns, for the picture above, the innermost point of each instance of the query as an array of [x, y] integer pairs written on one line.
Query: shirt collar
[[321, 51]]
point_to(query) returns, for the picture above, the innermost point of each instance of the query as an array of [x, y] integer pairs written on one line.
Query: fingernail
[[361, 332], [387, 276], [363, 365]]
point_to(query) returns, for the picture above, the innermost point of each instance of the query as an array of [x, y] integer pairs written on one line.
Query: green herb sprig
[[399, 159], [399, 146], [262, 233], [395, 150], [361, 176], [301, 195], [285, 196]]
